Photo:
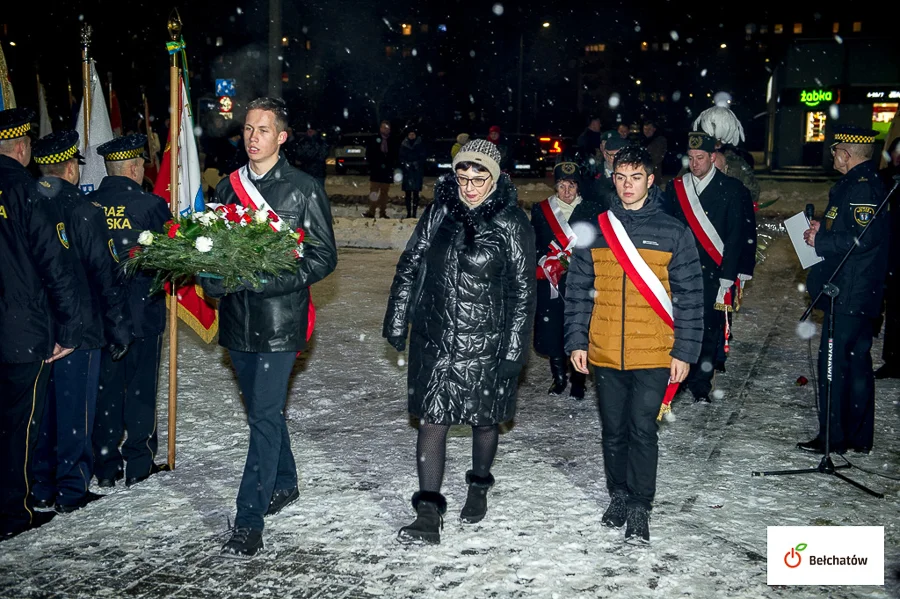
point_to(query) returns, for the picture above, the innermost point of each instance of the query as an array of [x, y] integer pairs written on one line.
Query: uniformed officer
[[40, 317], [127, 399], [64, 457], [852, 203]]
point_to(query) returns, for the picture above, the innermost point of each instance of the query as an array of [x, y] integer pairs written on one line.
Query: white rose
[[203, 244], [206, 218], [260, 217], [145, 238]]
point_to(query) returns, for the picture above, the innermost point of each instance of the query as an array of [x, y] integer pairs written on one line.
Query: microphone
[[810, 212]]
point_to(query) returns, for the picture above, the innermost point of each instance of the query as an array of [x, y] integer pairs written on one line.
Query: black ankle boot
[[576, 391], [558, 371], [430, 508], [476, 501]]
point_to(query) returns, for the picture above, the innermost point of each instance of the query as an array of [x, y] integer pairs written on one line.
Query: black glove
[[509, 369], [117, 351], [213, 288], [398, 342]]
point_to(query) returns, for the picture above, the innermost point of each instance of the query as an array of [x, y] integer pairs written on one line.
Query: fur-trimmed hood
[[446, 193]]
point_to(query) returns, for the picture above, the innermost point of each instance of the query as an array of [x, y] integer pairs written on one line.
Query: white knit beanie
[[482, 152]]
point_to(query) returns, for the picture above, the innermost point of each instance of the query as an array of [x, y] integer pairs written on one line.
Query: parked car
[[437, 156], [526, 158], [350, 153]]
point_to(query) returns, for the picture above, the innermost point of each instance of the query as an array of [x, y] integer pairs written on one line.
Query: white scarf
[[701, 184]]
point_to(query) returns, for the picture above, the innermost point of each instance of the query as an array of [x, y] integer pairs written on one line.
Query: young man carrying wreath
[[634, 311]]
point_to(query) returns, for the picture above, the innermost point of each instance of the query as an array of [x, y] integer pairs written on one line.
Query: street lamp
[[545, 25]]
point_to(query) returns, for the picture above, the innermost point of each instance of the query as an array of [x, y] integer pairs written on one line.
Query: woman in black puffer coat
[[473, 312]]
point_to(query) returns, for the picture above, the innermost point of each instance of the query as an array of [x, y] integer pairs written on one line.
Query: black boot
[[638, 525], [576, 391], [430, 508], [616, 513], [558, 370], [476, 501]]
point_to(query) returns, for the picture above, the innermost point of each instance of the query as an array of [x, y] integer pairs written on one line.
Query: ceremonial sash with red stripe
[[697, 220], [550, 266], [250, 197], [642, 277]]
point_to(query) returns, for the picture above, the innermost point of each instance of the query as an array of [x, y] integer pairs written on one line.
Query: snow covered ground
[[542, 536]]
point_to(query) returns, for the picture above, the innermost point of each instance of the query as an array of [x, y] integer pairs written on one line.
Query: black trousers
[[699, 379], [23, 388], [127, 403], [629, 402], [270, 465], [412, 203], [852, 384], [63, 462]]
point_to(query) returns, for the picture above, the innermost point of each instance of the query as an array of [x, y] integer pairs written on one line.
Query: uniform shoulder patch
[[112, 250], [863, 215], [61, 233]]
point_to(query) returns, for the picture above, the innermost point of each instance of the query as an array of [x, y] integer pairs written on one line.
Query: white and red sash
[[551, 266], [250, 197], [697, 220], [643, 278]]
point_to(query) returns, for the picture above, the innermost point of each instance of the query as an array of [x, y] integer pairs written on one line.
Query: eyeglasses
[[477, 182]]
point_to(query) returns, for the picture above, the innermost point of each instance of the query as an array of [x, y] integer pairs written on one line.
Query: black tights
[[412, 203], [431, 453]]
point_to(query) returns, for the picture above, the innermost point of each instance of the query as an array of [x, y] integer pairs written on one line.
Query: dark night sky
[[478, 57]]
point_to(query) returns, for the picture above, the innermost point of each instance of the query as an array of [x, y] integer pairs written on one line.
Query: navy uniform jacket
[[104, 309], [130, 211], [852, 203], [39, 303]]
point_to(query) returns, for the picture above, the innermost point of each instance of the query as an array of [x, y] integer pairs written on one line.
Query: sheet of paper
[[796, 226]]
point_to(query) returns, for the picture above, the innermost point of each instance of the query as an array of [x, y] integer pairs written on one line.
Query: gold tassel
[[663, 410]]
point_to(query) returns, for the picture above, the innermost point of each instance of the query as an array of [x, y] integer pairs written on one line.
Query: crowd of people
[[612, 277]]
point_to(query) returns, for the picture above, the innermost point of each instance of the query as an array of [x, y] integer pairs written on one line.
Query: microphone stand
[[826, 465]]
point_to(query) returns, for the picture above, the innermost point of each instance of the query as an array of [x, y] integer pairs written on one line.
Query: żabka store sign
[[825, 555]]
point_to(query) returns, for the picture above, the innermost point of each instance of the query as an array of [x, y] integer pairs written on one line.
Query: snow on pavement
[[355, 451]]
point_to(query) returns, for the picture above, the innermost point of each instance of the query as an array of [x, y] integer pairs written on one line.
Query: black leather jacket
[[276, 318]]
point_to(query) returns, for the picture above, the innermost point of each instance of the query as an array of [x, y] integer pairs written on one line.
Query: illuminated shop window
[[857, 27], [836, 27], [406, 28], [779, 28], [882, 114], [798, 27], [815, 127]]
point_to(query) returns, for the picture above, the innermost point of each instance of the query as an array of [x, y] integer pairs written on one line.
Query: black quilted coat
[[476, 305]]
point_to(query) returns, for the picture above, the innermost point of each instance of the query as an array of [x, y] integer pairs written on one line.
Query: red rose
[[173, 230], [134, 251], [273, 217], [302, 234]]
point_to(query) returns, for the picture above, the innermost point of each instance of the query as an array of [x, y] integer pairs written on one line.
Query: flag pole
[[86, 33], [154, 158], [174, 27]]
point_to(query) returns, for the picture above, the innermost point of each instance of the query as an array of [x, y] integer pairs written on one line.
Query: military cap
[[15, 122], [698, 140], [57, 147], [616, 143], [123, 148], [567, 171], [851, 134]]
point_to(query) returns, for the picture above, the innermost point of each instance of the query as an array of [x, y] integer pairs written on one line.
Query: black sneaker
[[244, 543], [638, 525], [281, 499], [154, 469], [702, 399], [44, 505], [109, 483], [74, 507], [616, 513]]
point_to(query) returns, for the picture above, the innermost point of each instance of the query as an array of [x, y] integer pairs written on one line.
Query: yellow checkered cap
[[56, 147], [15, 122], [850, 134], [123, 148]]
